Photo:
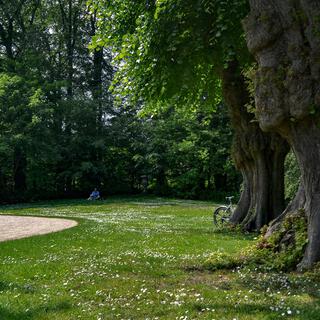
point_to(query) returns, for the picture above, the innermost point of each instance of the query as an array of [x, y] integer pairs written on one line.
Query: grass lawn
[[133, 258]]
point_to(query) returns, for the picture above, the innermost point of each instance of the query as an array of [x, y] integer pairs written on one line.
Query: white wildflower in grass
[[129, 260]]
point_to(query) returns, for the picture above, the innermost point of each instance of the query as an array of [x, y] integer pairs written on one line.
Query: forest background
[[64, 131]]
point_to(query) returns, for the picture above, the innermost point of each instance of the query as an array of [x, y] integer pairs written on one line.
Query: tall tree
[[16, 24], [70, 14], [40, 45], [174, 52], [284, 38]]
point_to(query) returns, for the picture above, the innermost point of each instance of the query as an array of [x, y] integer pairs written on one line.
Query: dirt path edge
[[18, 227]]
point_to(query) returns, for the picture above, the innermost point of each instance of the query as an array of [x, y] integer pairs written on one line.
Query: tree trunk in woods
[[259, 156], [162, 183], [285, 39], [220, 182], [20, 166], [70, 22], [97, 73]]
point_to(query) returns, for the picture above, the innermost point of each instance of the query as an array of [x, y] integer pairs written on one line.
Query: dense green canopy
[[62, 133], [172, 50]]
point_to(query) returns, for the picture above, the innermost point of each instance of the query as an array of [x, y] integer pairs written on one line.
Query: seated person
[[95, 195]]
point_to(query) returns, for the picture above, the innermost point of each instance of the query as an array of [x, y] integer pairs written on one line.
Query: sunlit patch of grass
[[139, 258]]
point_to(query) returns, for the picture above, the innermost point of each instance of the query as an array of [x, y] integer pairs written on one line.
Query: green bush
[[221, 260], [282, 251]]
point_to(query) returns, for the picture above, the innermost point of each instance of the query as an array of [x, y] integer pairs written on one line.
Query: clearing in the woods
[[140, 258]]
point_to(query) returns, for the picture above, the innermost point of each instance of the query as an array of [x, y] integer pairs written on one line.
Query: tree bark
[[284, 38], [243, 205], [305, 139], [259, 156]]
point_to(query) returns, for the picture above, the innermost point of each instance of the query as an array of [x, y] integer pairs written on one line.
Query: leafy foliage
[[155, 40], [64, 133], [189, 154]]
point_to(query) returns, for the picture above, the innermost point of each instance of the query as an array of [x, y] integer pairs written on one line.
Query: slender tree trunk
[[69, 14], [97, 73], [284, 38], [20, 166], [96, 85], [259, 156], [70, 44], [6, 36], [220, 181], [162, 184]]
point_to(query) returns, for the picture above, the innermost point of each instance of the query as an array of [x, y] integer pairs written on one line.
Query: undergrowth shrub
[[281, 251], [220, 260]]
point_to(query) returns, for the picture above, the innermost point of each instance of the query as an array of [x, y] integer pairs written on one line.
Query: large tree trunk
[[259, 156], [267, 183], [284, 38], [305, 139], [297, 202]]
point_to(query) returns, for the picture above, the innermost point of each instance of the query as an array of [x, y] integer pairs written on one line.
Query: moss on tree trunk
[[284, 38]]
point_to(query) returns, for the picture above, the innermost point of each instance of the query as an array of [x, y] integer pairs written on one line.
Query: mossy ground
[[138, 258]]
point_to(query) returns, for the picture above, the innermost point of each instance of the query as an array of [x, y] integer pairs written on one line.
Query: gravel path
[[13, 227]]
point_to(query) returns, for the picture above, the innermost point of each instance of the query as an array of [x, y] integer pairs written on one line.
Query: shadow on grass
[[33, 313], [5, 286], [306, 312], [8, 286], [241, 308]]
